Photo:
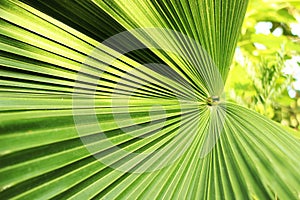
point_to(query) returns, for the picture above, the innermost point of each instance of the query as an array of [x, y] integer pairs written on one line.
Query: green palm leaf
[[90, 111]]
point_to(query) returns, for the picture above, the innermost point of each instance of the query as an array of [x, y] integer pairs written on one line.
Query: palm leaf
[[82, 117]]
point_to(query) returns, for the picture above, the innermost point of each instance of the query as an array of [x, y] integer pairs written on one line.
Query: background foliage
[[266, 67]]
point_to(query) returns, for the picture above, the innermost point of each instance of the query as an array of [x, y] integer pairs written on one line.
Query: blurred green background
[[265, 74]]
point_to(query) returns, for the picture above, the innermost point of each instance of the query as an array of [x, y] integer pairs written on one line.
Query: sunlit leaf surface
[[90, 111]]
